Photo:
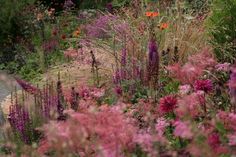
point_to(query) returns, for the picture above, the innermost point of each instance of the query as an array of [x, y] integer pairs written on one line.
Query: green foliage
[[222, 28], [11, 25]]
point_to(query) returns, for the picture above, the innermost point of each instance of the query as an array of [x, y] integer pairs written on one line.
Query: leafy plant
[[221, 27]]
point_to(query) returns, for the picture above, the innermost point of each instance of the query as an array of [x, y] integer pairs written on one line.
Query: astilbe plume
[[27, 86], [19, 120], [204, 85], [167, 104], [104, 133]]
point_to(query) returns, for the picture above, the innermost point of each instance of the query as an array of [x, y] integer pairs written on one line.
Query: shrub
[[222, 26]]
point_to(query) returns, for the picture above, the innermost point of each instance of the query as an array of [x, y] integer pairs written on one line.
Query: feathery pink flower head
[[182, 130], [167, 104]]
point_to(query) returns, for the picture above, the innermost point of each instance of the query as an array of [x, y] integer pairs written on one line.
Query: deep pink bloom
[[118, 90], [204, 85], [167, 104], [213, 140], [182, 130]]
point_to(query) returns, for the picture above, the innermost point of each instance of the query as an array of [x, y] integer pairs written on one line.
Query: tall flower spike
[[153, 61]]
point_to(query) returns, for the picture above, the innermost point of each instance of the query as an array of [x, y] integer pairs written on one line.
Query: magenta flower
[[118, 90], [213, 140], [204, 85], [167, 104], [182, 130]]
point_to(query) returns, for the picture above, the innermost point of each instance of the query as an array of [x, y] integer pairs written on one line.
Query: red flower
[[204, 85], [167, 104], [63, 36], [118, 90]]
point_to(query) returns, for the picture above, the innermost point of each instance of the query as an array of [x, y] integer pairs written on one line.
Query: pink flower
[[204, 85], [189, 105], [184, 89], [222, 67], [167, 104], [232, 139], [161, 125], [194, 68], [146, 140], [97, 92], [182, 130]]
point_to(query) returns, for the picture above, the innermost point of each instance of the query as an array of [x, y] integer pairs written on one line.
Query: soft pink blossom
[[182, 130], [184, 89], [223, 67]]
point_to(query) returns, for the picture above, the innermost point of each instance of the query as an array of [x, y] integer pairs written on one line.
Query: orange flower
[[76, 33], [152, 14], [163, 26], [148, 14], [63, 36]]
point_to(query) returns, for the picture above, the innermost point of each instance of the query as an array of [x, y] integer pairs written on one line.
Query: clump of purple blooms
[[20, 121], [100, 27]]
